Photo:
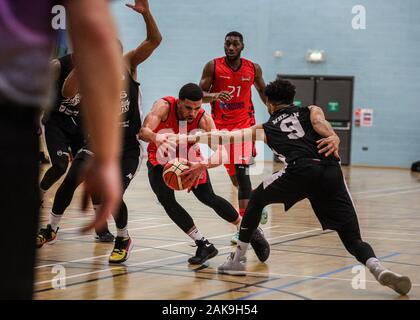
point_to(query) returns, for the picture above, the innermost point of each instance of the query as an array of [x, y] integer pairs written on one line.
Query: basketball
[[171, 175]]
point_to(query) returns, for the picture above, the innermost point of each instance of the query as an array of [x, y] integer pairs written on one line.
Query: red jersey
[[238, 84], [171, 125]]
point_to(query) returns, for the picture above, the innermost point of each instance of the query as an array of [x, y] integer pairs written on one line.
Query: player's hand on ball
[[194, 173], [329, 145]]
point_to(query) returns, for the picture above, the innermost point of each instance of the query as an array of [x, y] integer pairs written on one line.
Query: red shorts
[[239, 153]]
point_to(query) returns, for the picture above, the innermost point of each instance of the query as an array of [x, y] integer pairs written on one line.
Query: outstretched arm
[[217, 137], [206, 83], [152, 41], [330, 143]]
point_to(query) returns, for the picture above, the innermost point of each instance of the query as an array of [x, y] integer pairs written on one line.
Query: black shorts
[[322, 183], [63, 136], [129, 163]]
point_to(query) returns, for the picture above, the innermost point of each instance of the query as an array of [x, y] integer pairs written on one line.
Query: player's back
[[291, 136]]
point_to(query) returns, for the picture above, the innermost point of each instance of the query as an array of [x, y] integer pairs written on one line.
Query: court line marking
[[130, 229], [387, 194], [386, 190], [150, 261], [80, 227], [390, 239], [320, 276], [154, 269], [146, 249]]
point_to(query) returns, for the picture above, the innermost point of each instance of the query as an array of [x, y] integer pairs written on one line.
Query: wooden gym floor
[[305, 262]]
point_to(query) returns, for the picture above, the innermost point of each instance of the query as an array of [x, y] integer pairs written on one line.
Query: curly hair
[[280, 91], [191, 91]]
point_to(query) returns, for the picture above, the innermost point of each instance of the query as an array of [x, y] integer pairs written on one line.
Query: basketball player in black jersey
[[309, 147], [64, 134], [130, 123]]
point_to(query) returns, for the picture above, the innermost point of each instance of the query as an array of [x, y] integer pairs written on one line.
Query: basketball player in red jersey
[[227, 83], [172, 115]]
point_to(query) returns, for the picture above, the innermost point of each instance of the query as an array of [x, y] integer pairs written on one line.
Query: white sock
[[241, 248], [54, 220], [375, 266], [123, 233], [196, 235]]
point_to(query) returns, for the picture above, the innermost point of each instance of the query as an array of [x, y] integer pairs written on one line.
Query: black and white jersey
[[290, 135], [65, 106], [130, 113]]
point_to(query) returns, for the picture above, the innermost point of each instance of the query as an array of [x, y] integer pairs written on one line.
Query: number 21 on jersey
[[233, 89]]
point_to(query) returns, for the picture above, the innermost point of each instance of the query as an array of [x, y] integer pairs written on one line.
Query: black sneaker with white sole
[[205, 251], [104, 236], [260, 245]]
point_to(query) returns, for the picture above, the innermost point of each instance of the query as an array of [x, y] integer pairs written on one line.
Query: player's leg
[[19, 200], [205, 194], [277, 188], [336, 211], [363, 252], [250, 234], [123, 242], [62, 199], [57, 146], [179, 215], [244, 191]]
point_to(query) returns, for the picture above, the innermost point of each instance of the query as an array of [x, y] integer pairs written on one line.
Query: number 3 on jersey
[[293, 126], [232, 90]]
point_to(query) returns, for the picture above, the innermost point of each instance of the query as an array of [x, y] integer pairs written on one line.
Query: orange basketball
[[171, 175]]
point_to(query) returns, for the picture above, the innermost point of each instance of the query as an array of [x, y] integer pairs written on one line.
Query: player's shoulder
[[162, 105], [249, 62], [168, 100], [205, 120]]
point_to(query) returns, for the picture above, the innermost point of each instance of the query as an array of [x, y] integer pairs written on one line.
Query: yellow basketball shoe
[[122, 250], [46, 235]]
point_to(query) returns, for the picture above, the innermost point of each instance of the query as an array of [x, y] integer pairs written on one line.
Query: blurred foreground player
[[24, 80]]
